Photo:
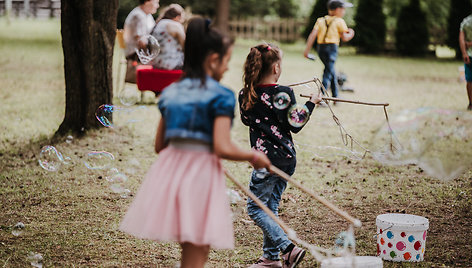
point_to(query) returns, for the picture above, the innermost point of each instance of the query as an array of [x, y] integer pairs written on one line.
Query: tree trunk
[[222, 15], [88, 29]]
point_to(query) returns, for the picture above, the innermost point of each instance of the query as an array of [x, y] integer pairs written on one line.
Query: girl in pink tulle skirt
[[183, 196]]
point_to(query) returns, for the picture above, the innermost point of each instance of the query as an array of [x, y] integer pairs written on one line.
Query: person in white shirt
[[138, 23]]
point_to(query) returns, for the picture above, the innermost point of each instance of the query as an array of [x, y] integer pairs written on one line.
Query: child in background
[[328, 31], [183, 197], [270, 133]]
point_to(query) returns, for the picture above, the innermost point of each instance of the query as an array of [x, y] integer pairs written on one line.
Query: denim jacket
[[189, 109]]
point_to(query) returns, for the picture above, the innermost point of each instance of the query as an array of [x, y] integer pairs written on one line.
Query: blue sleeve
[[224, 104]]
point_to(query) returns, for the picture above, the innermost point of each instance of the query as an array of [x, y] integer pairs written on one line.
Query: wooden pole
[[27, 8], [323, 201], [349, 101], [8, 7]]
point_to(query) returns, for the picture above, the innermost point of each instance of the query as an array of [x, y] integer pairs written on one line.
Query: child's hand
[[466, 58], [316, 98], [260, 160]]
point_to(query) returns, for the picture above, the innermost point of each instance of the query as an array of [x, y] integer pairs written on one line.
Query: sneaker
[[293, 258], [263, 262]]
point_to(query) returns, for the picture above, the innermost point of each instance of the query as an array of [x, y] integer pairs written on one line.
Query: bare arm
[[347, 36], [310, 41], [463, 47], [226, 149], [177, 31], [160, 144]]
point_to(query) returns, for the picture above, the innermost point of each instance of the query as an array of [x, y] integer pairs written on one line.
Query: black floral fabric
[[269, 127]]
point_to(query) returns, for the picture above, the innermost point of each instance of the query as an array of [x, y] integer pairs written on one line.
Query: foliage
[[370, 26], [319, 10], [411, 34], [459, 10], [436, 13]]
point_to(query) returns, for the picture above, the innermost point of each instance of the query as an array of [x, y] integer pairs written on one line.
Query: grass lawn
[[71, 216]]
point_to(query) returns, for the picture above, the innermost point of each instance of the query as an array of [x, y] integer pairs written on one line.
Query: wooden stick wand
[[349, 101]]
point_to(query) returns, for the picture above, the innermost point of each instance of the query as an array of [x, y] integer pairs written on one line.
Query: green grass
[[71, 216]]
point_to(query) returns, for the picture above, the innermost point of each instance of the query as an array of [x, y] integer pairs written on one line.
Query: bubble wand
[[345, 136], [326, 203], [314, 250]]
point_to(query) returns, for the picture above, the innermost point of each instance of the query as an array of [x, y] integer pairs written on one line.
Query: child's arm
[[310, 41], [160, 143], [463, 46], [348, 35], [226, 149], [282, 115]]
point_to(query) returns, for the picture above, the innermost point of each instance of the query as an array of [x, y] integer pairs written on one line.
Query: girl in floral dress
[[270, 133]]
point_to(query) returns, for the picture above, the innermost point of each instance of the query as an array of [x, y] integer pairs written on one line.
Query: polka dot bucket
[[401, 237]]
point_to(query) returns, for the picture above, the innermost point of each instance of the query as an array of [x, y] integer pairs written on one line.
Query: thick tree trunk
[[222, 15], [88, 29]]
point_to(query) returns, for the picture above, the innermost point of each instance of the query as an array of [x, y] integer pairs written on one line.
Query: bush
[[370, 26], [459, 10], [411, 34]]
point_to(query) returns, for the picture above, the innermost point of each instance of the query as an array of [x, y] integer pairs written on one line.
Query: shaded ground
[[71, 216]]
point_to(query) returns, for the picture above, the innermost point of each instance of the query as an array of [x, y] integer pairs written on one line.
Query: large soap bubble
[[98, 160], [437, 140], [107, 114], [129, 95], [298, 115], [104, 114], [50, 158], [281, 100], [150, 52]]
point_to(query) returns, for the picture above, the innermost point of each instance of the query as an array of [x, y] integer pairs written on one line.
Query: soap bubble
[[104, 114], [281, 100], [36, 259], [298, 115], [118, 178], [18, 229], [233, 196], [151, 50], [98, 160], [437, 140], [50, 158], [111, 173], [129, 95], [108, 114], [69, 139]]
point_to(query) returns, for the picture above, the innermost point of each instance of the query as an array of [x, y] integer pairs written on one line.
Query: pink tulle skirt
[[182, 199]]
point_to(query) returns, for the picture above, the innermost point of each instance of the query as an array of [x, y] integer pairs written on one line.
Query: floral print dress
[[171, 56], [269, 129]]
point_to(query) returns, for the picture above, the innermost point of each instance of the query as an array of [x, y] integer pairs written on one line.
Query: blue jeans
[[328, 54], [269, 190]]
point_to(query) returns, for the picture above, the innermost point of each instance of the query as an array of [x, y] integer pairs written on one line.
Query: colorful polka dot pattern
[[401, 246]]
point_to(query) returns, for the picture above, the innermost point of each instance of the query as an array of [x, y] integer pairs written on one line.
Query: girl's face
[[221, 65]]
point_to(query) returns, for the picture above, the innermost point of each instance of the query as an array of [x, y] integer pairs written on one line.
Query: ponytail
[[201, 40], [258, 64]]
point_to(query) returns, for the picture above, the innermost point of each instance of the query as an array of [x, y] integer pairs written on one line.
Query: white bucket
[[350, 262], [401, 237]]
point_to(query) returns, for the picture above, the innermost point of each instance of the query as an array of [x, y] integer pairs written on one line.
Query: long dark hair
[[258, 63], [200, 41]]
